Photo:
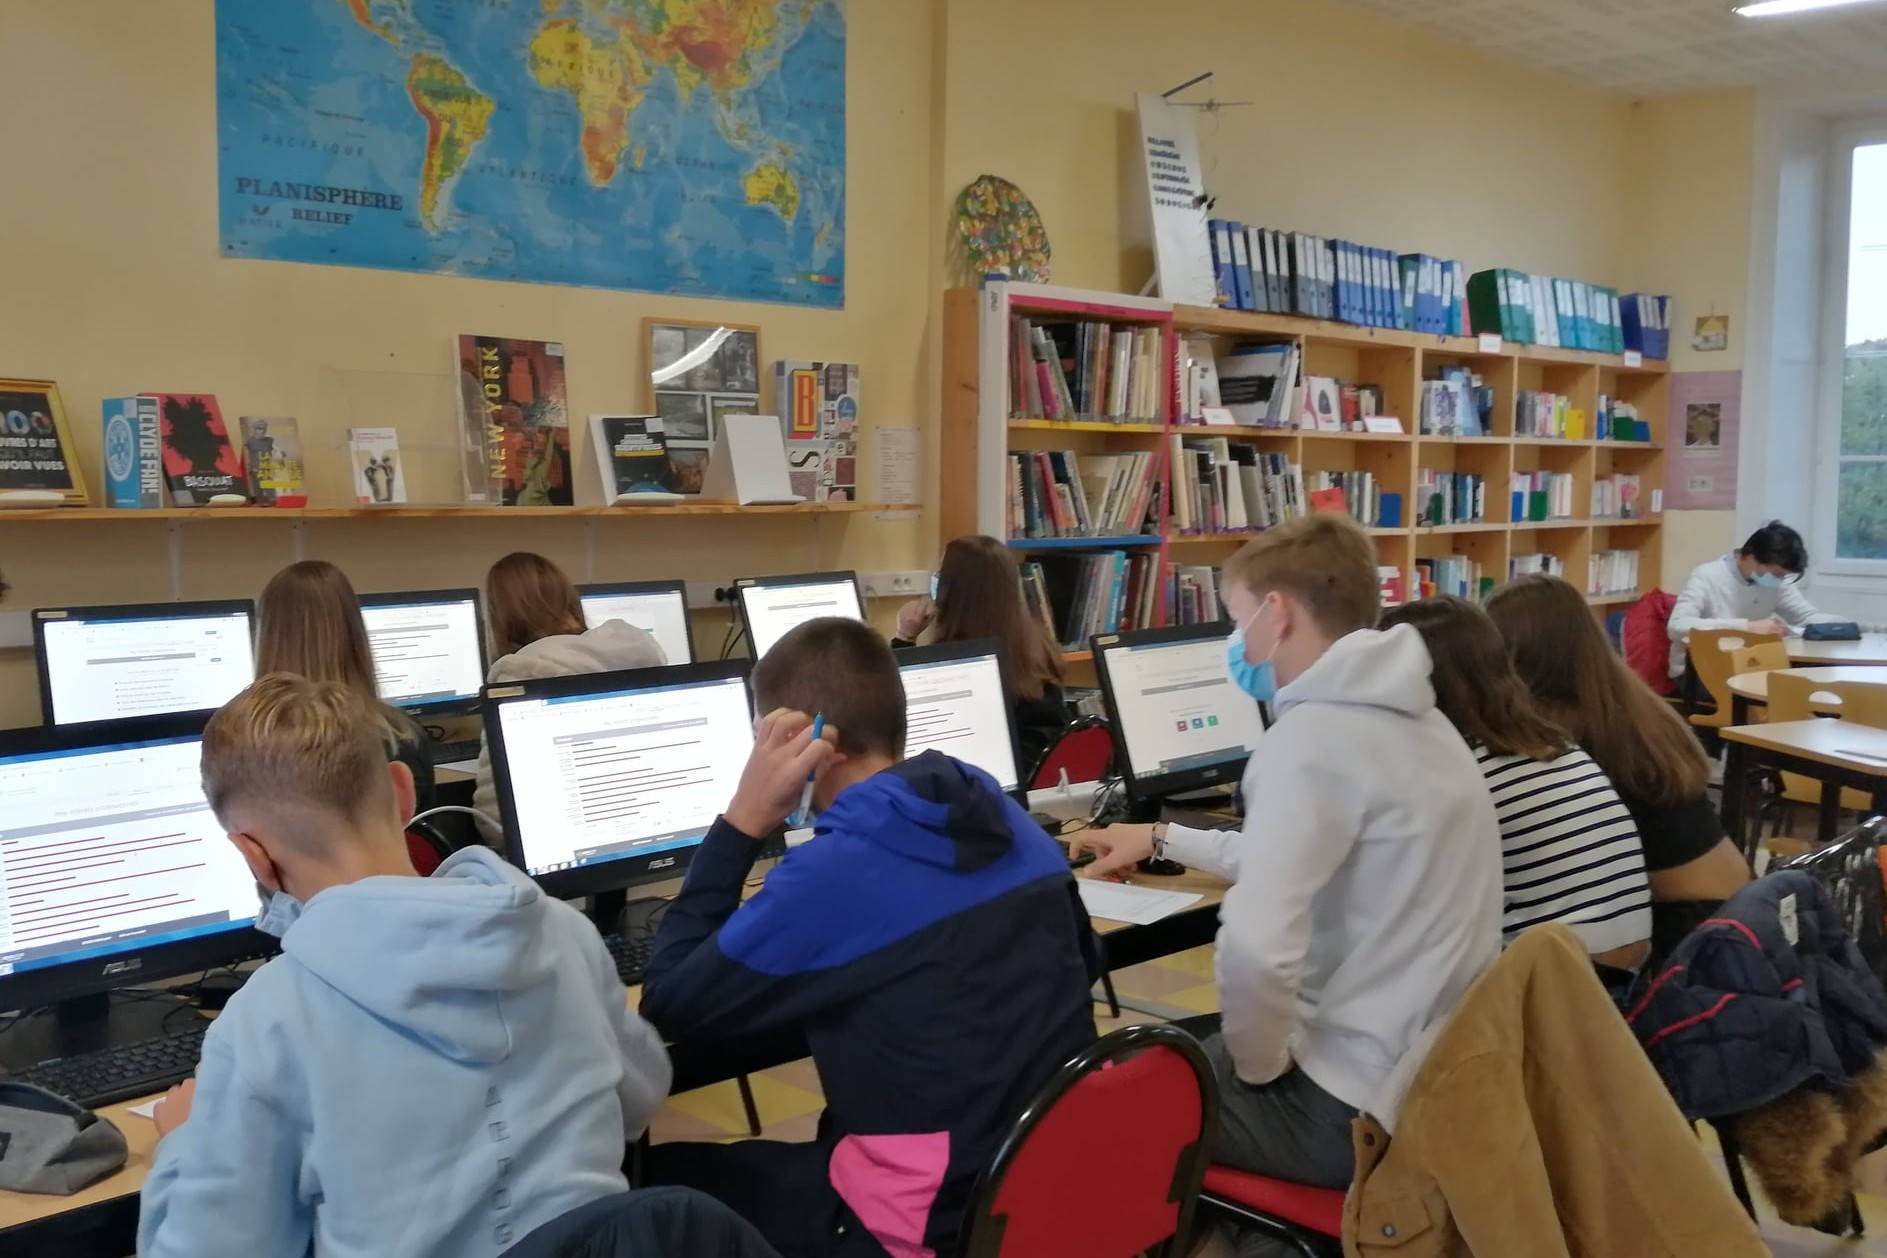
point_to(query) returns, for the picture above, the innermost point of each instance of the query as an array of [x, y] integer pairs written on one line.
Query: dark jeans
[[780, 1188], [1289, 1129]]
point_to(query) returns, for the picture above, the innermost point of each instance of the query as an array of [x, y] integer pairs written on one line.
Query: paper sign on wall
[[1706, 414]]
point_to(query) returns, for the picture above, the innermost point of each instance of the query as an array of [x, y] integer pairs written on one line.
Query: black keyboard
[[120, 1073], [632, 956], [452, 753]]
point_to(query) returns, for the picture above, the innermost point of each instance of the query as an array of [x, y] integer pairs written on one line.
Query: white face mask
[[280, 910]]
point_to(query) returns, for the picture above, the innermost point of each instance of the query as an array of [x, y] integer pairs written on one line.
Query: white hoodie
[[1366, 892], [611, 647], [1719, 596]]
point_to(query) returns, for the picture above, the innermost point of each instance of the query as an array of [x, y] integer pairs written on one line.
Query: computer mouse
[[1160, 867]]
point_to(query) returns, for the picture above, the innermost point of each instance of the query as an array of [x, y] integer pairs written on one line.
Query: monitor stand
[[87, 1024]]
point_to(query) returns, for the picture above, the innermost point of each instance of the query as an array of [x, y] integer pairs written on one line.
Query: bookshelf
[[445, 511], [979, 432]]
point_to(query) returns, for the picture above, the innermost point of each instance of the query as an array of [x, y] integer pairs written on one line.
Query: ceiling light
[[1781, 8]]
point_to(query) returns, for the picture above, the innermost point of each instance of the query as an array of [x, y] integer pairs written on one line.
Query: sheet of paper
[[460, 766], [1124, 902], [145, 1110], [900, 458]]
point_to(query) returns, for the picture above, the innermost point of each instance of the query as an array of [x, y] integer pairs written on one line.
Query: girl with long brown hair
[[976, 594], [538, 630], [308, 623], [1569, 850], [1651, 756]]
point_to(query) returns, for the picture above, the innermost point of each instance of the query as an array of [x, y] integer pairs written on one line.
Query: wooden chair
[[1791, 698], [1710, 655], [1764, 657]]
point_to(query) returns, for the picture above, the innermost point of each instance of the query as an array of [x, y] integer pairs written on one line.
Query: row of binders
[[1647, 322], [1058, 493], [1612, 572], [1544, 310], [1299, 273], [1086, 370], [1078, 596]]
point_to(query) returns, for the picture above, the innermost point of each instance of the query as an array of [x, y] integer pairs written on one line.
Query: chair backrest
[[1764, 657], [1645, 641], [1710, 656], [427, 846], [1850, 868], [1106, 1161], [1792, 697], [1085, 749]]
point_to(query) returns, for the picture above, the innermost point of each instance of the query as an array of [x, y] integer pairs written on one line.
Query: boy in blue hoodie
[[928, 941], [432, 1068]]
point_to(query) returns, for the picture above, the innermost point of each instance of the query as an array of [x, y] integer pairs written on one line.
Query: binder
[[1241, 266], [1345, 303], [1221, 235], [1303, 281], [1327, 260], [1278, 271], [1260, 270]]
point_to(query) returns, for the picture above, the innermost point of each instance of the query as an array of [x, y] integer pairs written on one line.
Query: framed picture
[[36, 447], [699, 372]]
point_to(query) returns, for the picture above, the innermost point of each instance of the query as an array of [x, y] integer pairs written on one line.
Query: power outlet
[[708, 594], [896, 584]]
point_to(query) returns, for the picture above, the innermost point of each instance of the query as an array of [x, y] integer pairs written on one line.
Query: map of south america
[[687, 146]]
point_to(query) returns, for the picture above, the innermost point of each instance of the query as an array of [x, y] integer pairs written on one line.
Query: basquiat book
[[271, 461], [516, 421], [199, 461]]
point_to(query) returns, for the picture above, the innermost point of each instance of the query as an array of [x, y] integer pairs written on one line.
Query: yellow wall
[[112, 282], [1688, 179]]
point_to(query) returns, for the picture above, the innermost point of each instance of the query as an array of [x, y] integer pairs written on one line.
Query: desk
[[1871, 649], [102, 1221], [1752, 688], [1836, 753]]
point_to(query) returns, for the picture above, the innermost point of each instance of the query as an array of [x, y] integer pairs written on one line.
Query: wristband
[[1159, 841]]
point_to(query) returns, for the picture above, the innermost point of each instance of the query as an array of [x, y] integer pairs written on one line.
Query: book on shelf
[[134, 452], [200, 462], [514, 421], [1193, 595], [1459, 403], [1535, 563], [819, 405], [1619, 421], [378, 471], [1230, 486], [1392, 586], [1450, 497], [1539, 496], [1617, 497], [1612, 572], [1097, 592], [1058, 493], [632, 459], [1199, 381], [1361, 498], [1258, 384], [272, 461], [1540, 414], [1452, 574], [1086, 370]]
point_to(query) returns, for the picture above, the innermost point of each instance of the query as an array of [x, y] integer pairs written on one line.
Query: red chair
[[1085, 749], [1106, 1160], [1309, 1218]]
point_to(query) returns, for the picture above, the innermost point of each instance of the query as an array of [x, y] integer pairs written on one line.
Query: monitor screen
[[659, 609], [609, 778], [956, 702], [1180, 722], [428, 648], [773, 606], [108, 852], [114, 663]]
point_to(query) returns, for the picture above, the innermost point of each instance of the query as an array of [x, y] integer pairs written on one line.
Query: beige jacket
[[1536, 1128]]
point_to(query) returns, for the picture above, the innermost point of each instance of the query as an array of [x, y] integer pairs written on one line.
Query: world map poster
[[693, 147]]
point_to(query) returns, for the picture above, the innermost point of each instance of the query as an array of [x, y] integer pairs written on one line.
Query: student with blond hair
[[432, 1068]]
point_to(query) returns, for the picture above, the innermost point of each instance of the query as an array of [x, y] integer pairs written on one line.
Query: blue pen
[[804, 816]]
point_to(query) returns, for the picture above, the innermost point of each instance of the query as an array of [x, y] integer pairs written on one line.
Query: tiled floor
[[789, 1101]]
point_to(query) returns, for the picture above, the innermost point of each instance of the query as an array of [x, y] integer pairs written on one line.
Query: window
[[1855, 378]]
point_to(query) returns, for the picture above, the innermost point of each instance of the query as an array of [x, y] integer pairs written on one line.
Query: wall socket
[[899, 585]]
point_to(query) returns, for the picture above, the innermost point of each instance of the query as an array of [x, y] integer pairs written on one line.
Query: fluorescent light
[[1780, 8]]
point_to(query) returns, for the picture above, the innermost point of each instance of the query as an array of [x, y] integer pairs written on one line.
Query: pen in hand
[[802, 817]]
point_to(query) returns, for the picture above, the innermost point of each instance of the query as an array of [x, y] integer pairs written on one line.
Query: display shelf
[[460, 512]]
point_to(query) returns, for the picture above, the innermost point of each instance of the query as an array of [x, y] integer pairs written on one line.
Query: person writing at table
[[975, 594], [1754, 588]]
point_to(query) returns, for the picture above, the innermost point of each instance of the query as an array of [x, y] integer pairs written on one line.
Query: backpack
[[1647, 640]]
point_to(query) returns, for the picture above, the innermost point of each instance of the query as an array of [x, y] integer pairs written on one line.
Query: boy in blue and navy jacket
[[928, 942]]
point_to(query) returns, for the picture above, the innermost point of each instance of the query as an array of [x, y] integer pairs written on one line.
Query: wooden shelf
[[1077, 657], [1206, 539], [1601, 600], [1081, 425], [291, 514], [1481, 526]]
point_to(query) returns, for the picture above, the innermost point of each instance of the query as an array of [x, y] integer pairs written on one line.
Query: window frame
[[1844, 138]]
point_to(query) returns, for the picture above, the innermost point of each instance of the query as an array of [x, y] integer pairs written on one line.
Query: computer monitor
[[113, 871], [151, 659], [428, 648], [608, 779], [659, 608], [1180, 724], [956, 700], [770, 607]]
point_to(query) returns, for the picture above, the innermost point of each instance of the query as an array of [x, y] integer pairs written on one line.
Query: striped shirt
[[1569, 850]]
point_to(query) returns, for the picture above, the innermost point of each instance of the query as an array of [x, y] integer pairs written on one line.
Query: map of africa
[[694, 147]]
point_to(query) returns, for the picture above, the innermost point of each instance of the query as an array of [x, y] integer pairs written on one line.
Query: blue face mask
[[1260, 681], [280, 910], [933, 587], [1768, 580]]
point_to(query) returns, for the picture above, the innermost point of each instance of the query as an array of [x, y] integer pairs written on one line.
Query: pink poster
[[1700, 442]]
